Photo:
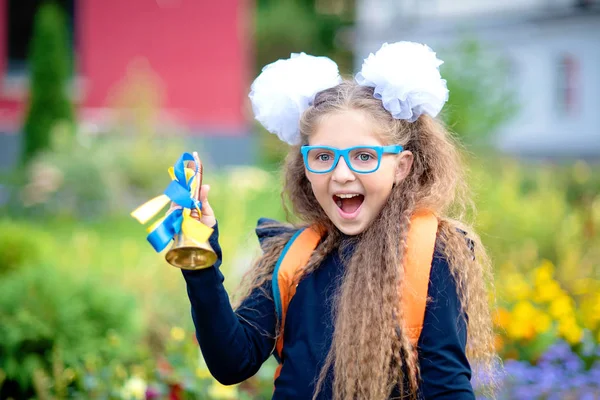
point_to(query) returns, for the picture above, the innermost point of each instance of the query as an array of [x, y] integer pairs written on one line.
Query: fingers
[[204, 193], [206, 208]]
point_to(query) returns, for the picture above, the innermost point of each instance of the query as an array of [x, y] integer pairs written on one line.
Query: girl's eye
[[365, 157], [323, 157]]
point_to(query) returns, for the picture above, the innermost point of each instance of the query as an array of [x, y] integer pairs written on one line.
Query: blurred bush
[[546, 246], [293, 26], [94, 176], [44, 309], [481, 98], [51, 66], [18, 245]]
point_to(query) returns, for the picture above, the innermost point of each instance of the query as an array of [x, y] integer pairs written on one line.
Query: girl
[[367, 160]]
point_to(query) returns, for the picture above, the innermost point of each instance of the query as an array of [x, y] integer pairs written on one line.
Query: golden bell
[[186, 253]]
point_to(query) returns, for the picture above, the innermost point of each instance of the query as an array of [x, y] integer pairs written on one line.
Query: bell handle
[[194, 212], [200, 173]]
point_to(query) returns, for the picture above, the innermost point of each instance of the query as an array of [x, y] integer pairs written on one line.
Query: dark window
[[21, 14], [567, 84]]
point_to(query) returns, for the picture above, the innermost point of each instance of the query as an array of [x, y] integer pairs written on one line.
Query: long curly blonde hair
[[368, 358]]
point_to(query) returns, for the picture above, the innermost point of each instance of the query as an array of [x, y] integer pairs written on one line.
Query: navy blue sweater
[[235, 344]]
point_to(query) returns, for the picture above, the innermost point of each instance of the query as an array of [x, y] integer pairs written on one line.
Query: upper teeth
[[347, 195]]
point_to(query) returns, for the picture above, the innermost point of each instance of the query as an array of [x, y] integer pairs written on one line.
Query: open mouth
[[348, 203]]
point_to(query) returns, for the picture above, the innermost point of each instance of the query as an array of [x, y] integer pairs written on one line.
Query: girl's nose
[[341, 172]]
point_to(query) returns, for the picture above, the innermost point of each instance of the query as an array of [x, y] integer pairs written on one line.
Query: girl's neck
[[346, 245]]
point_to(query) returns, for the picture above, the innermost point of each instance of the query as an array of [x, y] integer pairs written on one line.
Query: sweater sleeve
[[234, 344], [445, 370]]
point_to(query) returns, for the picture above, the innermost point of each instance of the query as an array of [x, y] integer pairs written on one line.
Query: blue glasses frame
[[380, 150]]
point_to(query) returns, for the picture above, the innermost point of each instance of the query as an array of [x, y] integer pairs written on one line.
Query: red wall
[[196, 50]]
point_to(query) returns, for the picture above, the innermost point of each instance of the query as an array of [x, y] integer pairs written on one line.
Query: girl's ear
[[405, 161]]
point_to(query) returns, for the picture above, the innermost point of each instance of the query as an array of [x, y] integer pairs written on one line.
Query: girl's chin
[[349, 226], [350, 230]]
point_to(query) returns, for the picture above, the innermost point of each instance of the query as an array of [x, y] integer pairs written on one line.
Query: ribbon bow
[[181, 191]]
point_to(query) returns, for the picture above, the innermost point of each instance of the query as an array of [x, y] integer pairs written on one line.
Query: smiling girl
[[379, 292]]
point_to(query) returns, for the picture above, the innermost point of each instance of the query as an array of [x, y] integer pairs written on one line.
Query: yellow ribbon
[[190, 227]]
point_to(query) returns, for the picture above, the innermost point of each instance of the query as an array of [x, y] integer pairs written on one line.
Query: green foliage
[[524, 205], [95, 176], [18, 245], [50, 64], [294, 26], [43, 308], [272, 149], [480, 96]]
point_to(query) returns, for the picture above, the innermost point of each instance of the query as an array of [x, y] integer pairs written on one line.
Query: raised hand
[[208, 216]]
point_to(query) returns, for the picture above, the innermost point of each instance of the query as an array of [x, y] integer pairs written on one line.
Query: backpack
[[418, 257]]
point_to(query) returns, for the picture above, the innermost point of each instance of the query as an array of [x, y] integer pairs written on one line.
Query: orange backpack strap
[[295, 255], [417, 268]]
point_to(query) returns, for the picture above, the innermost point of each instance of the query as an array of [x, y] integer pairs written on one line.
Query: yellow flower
[[544, 272], [590, 311], [516, 287], [561, 306], [502, 318], [524, 311], [521, 330], [574, 335], [521, 326], [219, 391], [177, 334], [569, 329], [547, 291], [542, 322]]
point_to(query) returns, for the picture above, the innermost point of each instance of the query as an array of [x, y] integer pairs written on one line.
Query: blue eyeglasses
[[360, 159]]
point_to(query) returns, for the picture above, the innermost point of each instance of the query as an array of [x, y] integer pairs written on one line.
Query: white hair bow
[[405, 77]]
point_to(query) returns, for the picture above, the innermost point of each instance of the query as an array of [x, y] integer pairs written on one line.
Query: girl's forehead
[[346, 129]]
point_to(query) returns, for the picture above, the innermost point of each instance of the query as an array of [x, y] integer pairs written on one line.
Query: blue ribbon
[[162, 235], [180, 192]]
